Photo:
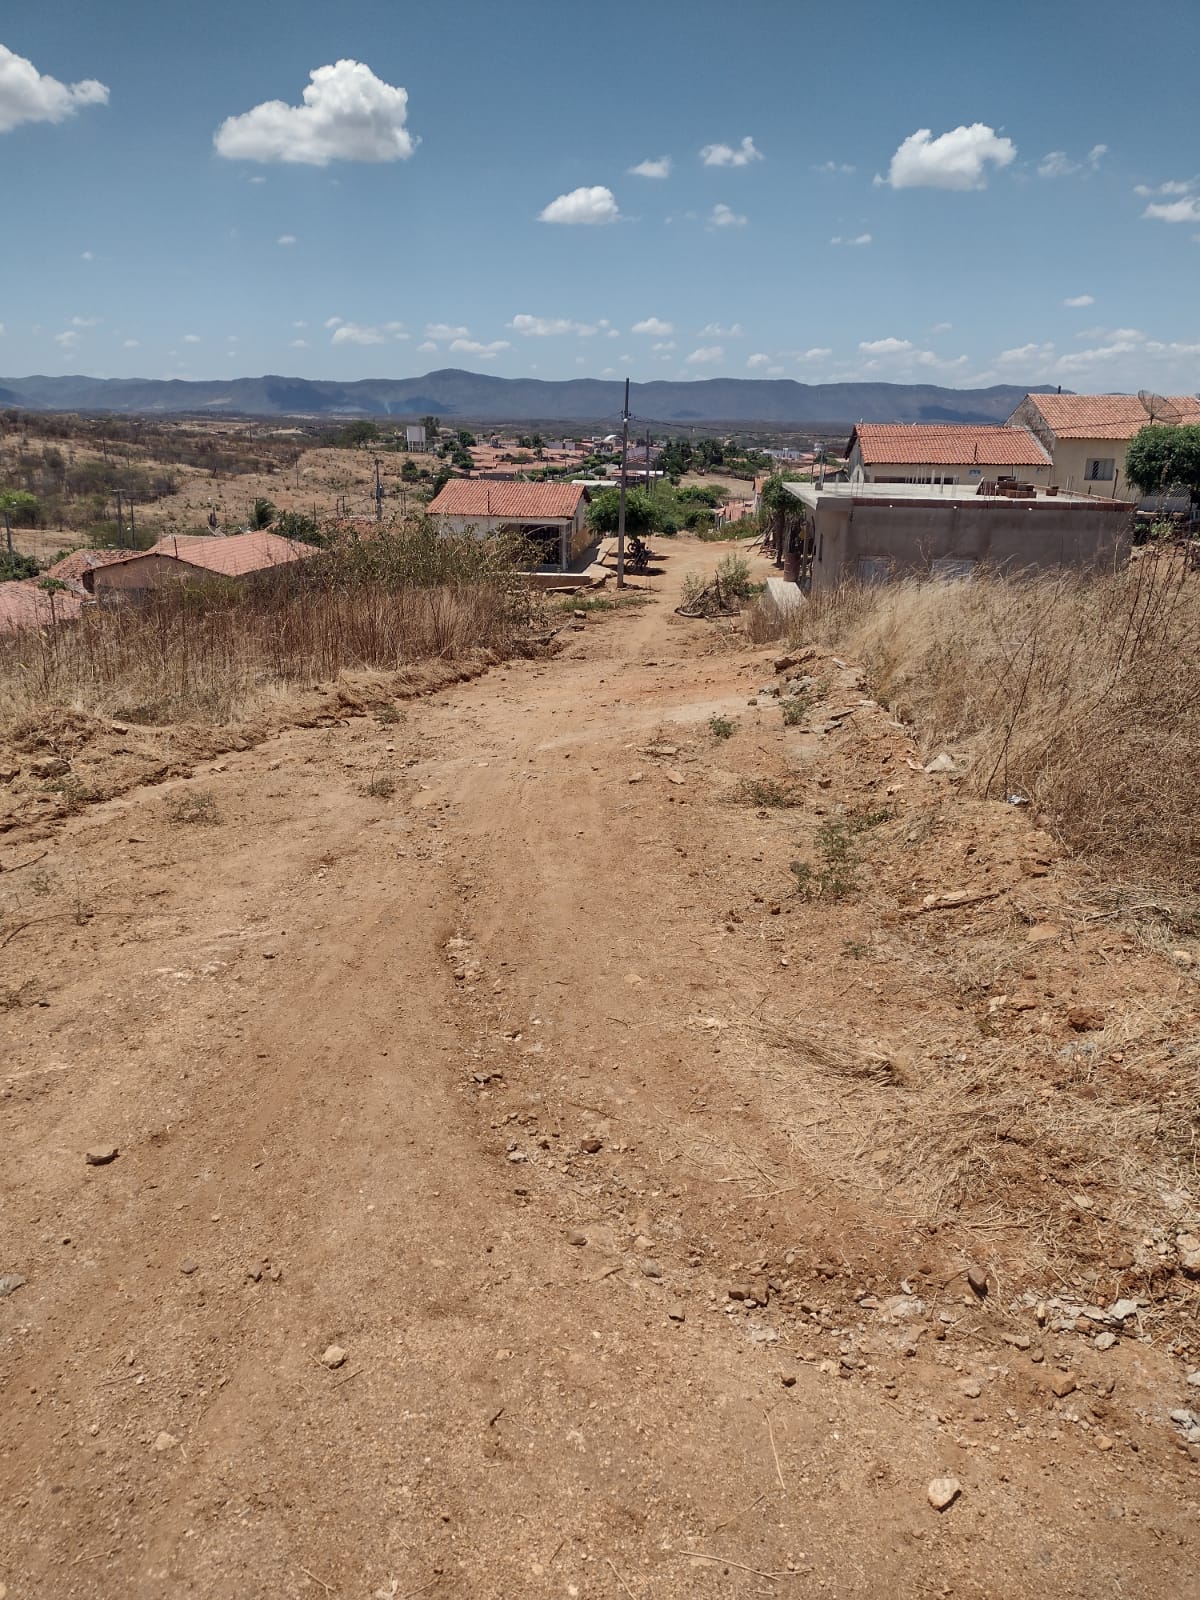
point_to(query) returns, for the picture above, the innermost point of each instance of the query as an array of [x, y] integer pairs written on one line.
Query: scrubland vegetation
[[1078, 694], [215, 651]]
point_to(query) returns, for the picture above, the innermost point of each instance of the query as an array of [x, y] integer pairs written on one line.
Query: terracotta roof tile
[[233, 557], [23, 604], [239, 553], [1107, 416], [948, 444], [522, 502], [72, 567]]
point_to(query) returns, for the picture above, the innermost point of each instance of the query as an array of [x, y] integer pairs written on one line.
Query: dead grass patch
[[1078, 692]]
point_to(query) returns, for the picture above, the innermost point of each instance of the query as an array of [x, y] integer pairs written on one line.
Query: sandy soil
[[501, 1084]]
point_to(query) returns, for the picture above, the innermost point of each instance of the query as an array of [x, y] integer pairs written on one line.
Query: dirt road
[[607, 1161]]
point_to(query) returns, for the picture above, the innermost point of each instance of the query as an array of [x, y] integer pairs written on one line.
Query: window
[[1099, 469]]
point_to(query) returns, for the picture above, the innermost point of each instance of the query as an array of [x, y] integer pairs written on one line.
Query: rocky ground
[[537, 1139]]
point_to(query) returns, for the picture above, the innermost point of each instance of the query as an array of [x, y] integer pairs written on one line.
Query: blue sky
[[959, 193]]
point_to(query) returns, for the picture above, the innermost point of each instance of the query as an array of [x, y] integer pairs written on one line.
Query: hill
[[486, 397]]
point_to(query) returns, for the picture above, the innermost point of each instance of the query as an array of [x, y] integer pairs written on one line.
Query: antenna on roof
[[1159, 409]]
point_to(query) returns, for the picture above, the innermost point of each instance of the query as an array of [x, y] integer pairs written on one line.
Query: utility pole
[[621, 512], [132, 529], [8, 530], [378, 493], [647, 460], [120, 522]]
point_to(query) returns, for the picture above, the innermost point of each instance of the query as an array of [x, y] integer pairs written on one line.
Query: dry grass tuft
[[1081, 693], [216, 651]]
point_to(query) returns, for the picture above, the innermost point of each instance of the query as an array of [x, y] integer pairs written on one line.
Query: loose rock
[[978, 1280], [334, 1356], [164, 1441], [101, 1155], [1104, 1341], [971, 1387], [1063, 1384], [591, 1145], [187, 1268], [943, 1492], [651, 1269], [10, 1283], [576, 1238], [1189, 1254]]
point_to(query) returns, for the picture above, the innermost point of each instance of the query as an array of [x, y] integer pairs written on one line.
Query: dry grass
[[217, 651], [1080, 693]]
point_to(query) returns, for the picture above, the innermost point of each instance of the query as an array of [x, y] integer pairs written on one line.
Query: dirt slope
[[501, 1084]]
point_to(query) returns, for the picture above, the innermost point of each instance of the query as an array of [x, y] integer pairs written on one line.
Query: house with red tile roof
[[552, 516], [184, 557], [1087, 435], [944, 452]]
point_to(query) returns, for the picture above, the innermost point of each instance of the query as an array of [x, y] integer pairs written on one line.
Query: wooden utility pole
[[120, 522], [132, 529], [621, 511], [378, 493], [647, 460]]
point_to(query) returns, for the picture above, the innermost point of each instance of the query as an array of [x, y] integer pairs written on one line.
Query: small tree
[[262, 514], [14, 565], [295, 525], [642, 516], [24, 509], [430, 424], [1160, 459]]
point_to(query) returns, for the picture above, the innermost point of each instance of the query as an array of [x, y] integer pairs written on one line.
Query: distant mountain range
[[482, 397]]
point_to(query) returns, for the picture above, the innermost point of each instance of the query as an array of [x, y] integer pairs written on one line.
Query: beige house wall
[[578, 536], [147, 572], [1071, 456]]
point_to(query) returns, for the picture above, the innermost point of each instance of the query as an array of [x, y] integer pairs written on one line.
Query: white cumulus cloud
[[723, 216], [658, 168], [835, 168], [859, 238], [758, 360], [885, 347], [654, 325], [714, 330], [472, 347], [68, 339], [348, 115], [445, 330], [27, 95], [955, 160], [705, 356], [191, 338], [1172, 186], [357, 333], [1186, 210], [132, 344], [817, 353], [427, 348], [1075, 301], [725, 155], [299, 344], [286, 238], [549, 327], [1058, 164], [586, 205]]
